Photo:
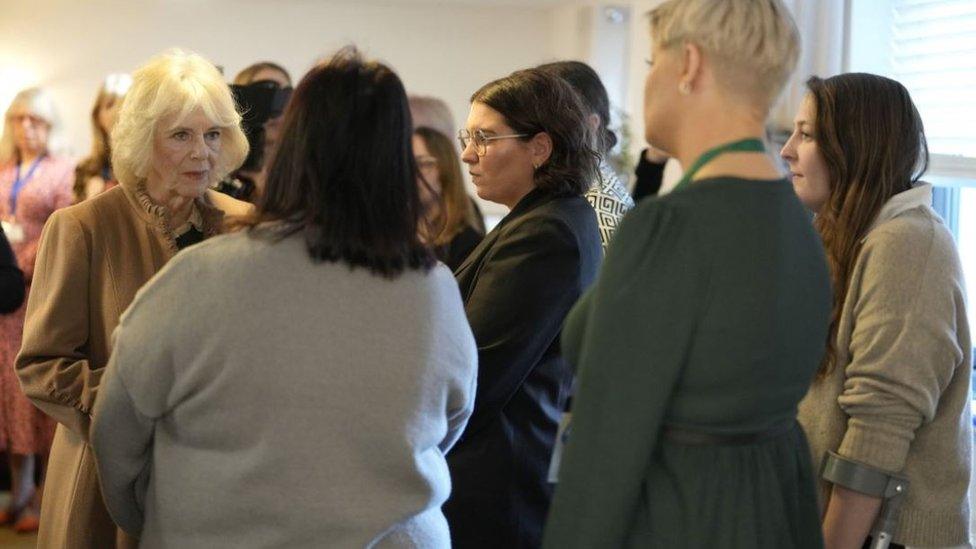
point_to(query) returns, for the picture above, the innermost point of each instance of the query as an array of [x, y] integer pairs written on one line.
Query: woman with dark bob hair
[[348, 374], [528, 147], [892, 392]]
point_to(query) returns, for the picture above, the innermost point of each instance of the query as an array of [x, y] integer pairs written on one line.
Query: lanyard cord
[[743, 145], [19, 183]]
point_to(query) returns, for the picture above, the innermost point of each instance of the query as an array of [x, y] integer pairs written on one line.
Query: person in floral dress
[[34, 181]]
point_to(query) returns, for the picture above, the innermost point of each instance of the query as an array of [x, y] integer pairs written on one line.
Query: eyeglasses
[[481, 139], [425, 163], [31, 119]]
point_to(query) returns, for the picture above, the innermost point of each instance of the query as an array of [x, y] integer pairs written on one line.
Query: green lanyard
[[744, 145]]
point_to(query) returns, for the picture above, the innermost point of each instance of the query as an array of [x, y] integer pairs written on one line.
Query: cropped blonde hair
[[174, 83], [754, 43], [38, 102]]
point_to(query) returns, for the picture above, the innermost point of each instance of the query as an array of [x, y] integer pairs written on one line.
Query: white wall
[[442, 50], [445, 50]]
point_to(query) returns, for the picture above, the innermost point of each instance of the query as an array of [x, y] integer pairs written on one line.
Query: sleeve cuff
[[873, 446]]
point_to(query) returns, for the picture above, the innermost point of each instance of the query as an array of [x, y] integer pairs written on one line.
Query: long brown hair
[[455, 210], [111, 91], [873, 143]]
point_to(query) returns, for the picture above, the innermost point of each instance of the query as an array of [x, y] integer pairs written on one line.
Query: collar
[[528, 202], [194, 221], [205, 217], [918, 196]]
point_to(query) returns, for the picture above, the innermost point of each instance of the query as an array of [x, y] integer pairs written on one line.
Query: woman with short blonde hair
[[177, 133], [706, 323]]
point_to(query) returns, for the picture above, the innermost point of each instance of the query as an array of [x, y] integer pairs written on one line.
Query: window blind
[[933, 53]]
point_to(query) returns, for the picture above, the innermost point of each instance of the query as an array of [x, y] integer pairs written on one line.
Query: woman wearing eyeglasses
[[455, 225], [34, 182], [527, 147]]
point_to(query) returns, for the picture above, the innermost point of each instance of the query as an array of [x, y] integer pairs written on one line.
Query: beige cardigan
[[92, 260], [899, 399]]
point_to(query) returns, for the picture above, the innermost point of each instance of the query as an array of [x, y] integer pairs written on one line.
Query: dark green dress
[[710, 314]]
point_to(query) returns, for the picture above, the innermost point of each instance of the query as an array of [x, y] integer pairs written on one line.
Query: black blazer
[[518, 285], [11, 279]]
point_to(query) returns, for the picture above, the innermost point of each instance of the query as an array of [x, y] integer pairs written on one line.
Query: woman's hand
[[848, 519]]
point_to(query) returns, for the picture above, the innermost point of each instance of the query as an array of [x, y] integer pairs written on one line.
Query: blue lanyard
[[19, 183]]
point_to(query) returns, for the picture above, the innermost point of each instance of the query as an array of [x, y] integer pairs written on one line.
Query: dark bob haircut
[[534, 101], [344, 173], [588, 85]]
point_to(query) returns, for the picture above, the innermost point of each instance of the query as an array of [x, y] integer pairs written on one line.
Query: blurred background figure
[[527, 147], [704, 328], [177, 133], [454, 224], [649, 173], [94, 173], [261, 91], [11, 279], [607, 195], [433, 113], [34, 182], [341, 441]]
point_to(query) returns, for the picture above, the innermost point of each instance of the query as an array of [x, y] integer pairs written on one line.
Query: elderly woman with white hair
[[708, 319], [177, 133], [34, 181]]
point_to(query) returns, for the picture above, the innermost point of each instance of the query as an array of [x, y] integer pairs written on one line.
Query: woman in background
[[177, 133], [248, 184], [34, 182], [452, 218], [11, 279], [893, 391], [374, 364], [607, 195], [94, 174], [704, 329], [528, 147]]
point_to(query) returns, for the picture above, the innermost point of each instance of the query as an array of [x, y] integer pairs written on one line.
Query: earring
[[535, 166], [684, 88]]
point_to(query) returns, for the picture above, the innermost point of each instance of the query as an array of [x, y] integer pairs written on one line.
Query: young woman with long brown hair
[[93, 175], [454, 224], [893, 389]]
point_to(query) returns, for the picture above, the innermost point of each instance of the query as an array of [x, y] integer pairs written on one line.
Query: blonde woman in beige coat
[[177, 133]]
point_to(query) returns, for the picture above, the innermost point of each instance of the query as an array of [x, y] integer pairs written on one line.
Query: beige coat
[[93, 258]]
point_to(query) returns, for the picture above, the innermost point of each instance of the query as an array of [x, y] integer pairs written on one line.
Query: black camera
[[258, 102]]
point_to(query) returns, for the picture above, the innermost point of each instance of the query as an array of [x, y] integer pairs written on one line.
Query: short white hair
[[175, 82], [38, 102], [754, 43]]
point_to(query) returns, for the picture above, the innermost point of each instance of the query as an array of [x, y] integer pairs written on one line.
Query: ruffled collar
[[205, 216]]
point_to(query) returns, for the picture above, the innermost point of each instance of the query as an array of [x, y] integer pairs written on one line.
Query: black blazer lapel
[[467, 273]]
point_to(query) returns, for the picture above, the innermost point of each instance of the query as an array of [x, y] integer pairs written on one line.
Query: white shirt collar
[[919, 195]]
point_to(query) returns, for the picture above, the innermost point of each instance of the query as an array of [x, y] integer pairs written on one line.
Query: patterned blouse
[[610, 200]]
